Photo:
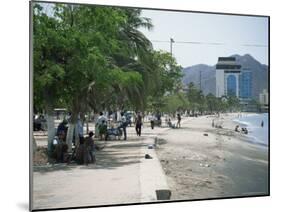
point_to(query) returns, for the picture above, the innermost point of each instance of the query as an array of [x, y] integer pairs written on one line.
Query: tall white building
[[227, 77]]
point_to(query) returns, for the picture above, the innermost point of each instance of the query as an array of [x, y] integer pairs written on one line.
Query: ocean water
[[253, 123]]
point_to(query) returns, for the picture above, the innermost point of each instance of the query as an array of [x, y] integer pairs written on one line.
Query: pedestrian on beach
[[179, 121], [262, 123], [124, 124], [138, 124]]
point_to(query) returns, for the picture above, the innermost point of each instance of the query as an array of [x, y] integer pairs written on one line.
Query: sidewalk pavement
[[121, 175]]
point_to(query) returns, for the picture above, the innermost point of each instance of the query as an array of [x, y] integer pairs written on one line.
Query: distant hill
[[192, 74], [260, 74]]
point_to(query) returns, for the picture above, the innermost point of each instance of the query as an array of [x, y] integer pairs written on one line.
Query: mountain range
[[207, 75]]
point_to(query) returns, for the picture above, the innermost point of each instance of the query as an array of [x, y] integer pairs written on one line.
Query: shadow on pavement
[[114, 155]]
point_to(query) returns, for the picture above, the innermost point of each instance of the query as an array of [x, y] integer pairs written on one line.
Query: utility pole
[[200, 80], [171, 45]]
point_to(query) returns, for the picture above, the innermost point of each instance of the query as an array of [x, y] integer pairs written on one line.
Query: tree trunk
[[34, 145], [76, 135], [50, 126], [69, 136]]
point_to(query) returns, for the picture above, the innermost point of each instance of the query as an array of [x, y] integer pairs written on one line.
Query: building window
[[231, 85]]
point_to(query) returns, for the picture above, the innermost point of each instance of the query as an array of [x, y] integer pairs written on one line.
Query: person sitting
[[237, 128], [244, 130], [62, 127], [59, 148], [171, 125]]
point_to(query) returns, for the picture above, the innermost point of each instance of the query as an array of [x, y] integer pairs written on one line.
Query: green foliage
[[92, 58], [174, 103]]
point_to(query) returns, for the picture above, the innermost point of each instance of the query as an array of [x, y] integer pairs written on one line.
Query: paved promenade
[[121, 175]]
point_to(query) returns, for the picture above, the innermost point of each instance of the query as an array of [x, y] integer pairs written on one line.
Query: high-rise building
[[227, 77], [246, 84]]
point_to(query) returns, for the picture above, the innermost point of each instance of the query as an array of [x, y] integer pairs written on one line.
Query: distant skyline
[[232, 34]]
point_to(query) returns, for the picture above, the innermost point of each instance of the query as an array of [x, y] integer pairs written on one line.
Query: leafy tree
[[94, 58]]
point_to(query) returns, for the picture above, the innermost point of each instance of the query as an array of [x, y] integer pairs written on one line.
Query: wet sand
[[204, 162]]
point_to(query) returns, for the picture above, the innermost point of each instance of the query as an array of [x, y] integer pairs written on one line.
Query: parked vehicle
[[114, 133], [39, 123], [129, 116]]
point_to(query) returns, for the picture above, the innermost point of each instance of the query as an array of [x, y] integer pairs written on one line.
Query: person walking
[[138, 124], [262, 123], [152, 120], [124, 125], [179, 120]]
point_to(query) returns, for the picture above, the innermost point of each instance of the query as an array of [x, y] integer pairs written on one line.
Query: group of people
[[84, 153], [177, 125], [243, 129], [102, 125]]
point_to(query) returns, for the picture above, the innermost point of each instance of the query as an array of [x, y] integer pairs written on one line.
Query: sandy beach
[[204, 162], [196, 161]]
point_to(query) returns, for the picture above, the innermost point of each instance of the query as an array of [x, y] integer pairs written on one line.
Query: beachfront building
[[264, 97], [264, 101], [246, 90], [227, 77], [246, 84]]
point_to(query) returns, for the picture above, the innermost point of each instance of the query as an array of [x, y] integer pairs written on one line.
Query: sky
[[233, 33]]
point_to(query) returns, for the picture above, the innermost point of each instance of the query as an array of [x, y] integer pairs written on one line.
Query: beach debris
[[147, 156], [204, 165], [164, 161], [205, 134], [167, 171], [150, 146]]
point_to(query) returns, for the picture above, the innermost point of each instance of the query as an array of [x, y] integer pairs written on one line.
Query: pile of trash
[[40, 157]]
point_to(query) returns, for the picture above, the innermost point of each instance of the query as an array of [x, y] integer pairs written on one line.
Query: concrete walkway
[[121, 175]]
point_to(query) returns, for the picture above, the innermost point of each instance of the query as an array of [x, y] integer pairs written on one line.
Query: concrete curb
[[153, 183]]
